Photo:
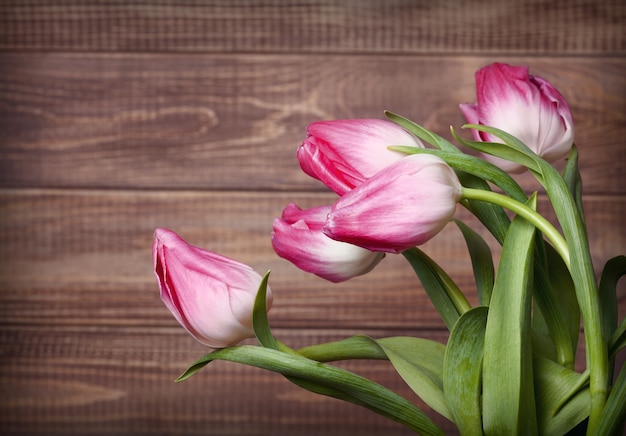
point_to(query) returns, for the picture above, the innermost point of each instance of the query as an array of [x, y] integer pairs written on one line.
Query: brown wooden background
[[117, 117]]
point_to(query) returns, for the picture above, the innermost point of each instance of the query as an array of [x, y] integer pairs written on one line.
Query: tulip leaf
[[613, 270], [572, 178], [556, 300], [420, 364], [490, 215], [462, 371], [508, 395], [618, 339], [511, 149], [442, 291], [260, 322], [355, 347], [614, 413], [581, 269], [422, 133], [482, 262], [418, 361], [562, 397], [328, 380]]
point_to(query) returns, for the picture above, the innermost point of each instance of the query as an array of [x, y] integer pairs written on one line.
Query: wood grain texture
[[83, 257], [234, 121], [119, 117], [353, 26], [85, 381]]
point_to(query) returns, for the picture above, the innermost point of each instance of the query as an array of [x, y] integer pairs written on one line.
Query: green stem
[[526, 212]]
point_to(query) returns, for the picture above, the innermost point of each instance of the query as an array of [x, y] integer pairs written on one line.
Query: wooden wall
[[118, 117]]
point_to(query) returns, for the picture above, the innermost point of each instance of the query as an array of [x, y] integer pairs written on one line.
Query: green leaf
[[614, 413], [462, 371], [482, 262], [327, 380], [260, 322], [508, 396], [572, 178], [441, 289], [561, 395], [422, 133], [618, 339], [492, 216], [420, 364], [512, 149], [556, 299], [613, 270], [355, 347], [580, 266]]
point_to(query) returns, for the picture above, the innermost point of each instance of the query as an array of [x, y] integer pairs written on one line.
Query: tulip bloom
[[210, 295], [298, 237], [344, 153], [402, 206], [525, 106]]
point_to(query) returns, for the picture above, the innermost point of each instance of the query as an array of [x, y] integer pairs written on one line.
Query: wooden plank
[[493, 26], [83, 258], [82, 381], [169, 121]]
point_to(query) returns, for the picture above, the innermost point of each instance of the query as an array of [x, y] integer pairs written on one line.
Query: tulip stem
[[526, 212]]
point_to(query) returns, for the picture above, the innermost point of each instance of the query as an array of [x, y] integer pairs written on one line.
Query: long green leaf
[[562, 397], [420, 364], [492, 216], [418, 361], [556, 300], [508, 395], [422, 133], [443, 293], [260, 322], [462, 371], [614, 413], [513, 150], [613, 270], [482, 262], [355, 347], [328, 380]]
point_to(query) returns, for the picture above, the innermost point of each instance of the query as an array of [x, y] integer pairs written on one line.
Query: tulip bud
[[298, 237], [210, 295], [404, 205], [344, 153], [525, 106]]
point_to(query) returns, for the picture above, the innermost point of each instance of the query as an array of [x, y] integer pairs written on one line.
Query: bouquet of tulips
[[508, 365]]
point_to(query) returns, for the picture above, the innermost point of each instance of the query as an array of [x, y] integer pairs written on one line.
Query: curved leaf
[[482, 262], [562, 397], [441, 289], [508, 394], [462, 371], [420, 364], [327, 380]]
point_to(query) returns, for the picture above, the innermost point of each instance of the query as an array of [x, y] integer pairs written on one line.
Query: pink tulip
[[404, 205], [210, 295], [525, 106], [298, 237], [344, 153]]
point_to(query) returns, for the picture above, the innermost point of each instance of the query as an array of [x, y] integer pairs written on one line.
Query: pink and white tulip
[[404, 205], [525, 106], [344, 153], [298, 237], [210, 295]]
